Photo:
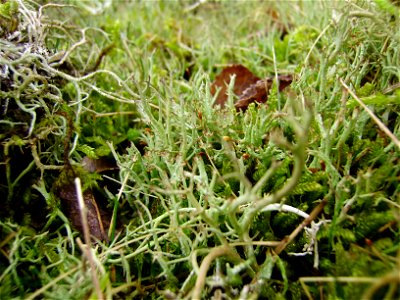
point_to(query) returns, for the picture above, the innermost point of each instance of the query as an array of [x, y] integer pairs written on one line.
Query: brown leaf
[[244, 78], [258, 92], [248, 87], [98, 220]]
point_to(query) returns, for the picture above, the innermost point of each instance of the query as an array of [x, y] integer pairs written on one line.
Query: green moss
[[138, 89]]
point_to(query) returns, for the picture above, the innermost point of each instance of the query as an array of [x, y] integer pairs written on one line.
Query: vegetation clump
[[123, 178]]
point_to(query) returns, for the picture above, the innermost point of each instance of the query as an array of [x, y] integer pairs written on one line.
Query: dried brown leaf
[[244, 78], [258, 92], [248, 87], [98, 219]]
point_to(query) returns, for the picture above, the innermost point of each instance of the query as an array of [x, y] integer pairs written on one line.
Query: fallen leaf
[[258, 92], [98, 220], [248, 87], [244, 78]]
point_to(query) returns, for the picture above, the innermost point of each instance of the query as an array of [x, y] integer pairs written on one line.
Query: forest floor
[[210, 149]]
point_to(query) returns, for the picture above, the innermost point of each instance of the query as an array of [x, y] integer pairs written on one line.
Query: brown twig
[[374, 118], [99, 59], [316, 211]]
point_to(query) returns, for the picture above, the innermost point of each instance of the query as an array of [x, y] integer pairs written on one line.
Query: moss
[[192, 179]]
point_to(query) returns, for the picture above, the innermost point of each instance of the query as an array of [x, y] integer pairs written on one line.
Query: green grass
[[204, 199]]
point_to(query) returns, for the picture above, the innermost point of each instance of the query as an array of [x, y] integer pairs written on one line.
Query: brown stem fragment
[[316, 211]]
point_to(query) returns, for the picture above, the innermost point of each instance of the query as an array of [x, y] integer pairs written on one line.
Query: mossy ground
[[195, 195]]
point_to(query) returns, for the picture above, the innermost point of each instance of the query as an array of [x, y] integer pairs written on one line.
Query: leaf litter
[[98, 219], [248, 87]]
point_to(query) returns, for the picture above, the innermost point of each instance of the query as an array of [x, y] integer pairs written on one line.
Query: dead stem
[[316, 211], [373, 116], [86, 249]]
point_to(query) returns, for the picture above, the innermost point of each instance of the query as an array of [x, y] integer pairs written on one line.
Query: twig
[[375, 118], [85, 248], [316, 211], [392, 277]]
